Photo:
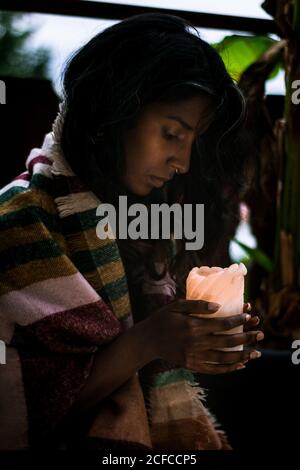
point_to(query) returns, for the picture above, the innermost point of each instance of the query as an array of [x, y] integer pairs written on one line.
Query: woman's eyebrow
[[182, 122]]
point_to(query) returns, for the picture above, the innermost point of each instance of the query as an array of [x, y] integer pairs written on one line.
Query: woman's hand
[[173, 334], [190, 341], [253, 321]]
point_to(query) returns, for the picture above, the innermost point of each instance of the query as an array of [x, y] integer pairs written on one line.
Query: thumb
[[195, 306]]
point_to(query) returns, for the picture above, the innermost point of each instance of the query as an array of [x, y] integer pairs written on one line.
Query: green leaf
[[257, 255], [239, 52], [15, 57]]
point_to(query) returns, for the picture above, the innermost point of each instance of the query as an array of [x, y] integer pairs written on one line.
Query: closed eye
[[170, 136]]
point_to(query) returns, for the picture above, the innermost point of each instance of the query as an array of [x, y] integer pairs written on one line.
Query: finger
[[228, 341], [252, 323], [195, 306], [254, 320], [226, 357], [213, 325], [247, 307], [218, 368]]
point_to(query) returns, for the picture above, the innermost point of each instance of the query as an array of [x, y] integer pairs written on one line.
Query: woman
[[101, 348]]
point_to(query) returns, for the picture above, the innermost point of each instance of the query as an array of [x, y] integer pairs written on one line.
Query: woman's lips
[[158, 182]]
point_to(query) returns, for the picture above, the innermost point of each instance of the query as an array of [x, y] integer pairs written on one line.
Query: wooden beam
[[113, 11]]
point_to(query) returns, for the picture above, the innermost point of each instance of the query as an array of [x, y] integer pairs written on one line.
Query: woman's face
[[162, 141]]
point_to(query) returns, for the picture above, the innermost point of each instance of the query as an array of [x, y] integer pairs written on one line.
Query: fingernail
[[247, 317], [212, 306], [240, 366], [255, 354], [248, 307], [260, 336]]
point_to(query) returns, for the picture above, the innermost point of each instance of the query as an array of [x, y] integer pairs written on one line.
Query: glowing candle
[[222, 285]]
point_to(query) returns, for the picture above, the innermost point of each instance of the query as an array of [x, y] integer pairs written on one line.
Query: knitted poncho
[[63, 296]]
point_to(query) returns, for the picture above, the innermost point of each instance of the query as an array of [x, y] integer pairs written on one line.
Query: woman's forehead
[[189, 113]]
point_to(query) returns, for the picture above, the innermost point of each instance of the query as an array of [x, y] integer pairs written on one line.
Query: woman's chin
[[141, 190]]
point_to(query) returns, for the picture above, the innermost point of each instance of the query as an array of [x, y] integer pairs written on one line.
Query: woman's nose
[[183, 159]]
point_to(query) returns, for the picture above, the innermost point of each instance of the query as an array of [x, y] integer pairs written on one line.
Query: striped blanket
[[63, 296]]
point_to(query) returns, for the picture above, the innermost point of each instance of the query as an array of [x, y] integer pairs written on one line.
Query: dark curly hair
[[144, 59]]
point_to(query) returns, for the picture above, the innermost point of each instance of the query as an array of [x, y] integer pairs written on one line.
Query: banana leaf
[[256, 255], [239, 52]]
